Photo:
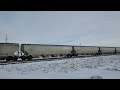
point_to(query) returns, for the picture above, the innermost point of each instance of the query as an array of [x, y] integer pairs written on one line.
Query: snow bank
[[79, 68]]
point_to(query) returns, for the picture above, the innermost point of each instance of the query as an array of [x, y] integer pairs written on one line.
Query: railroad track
[[30, 61], [41, 59]]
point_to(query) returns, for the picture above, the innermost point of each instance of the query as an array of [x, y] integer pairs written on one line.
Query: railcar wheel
[[29, 57], [61, 55], [76, 55], [15, 58], [23, 58], [42, 56], [9, 58], [68, 55], [52, 55], [96, 54]]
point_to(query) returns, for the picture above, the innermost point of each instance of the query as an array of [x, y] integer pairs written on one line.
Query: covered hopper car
[[28, 51], [7, 51]]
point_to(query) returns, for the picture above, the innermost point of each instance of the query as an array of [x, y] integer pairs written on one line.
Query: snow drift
[[100, 67]]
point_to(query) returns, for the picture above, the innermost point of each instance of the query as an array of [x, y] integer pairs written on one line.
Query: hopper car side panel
[[38, 50], [107, 50], [7, 49], [86, 50], [118, 50]]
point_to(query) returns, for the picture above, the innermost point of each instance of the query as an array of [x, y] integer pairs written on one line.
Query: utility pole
[[6, 38], [80, 43]]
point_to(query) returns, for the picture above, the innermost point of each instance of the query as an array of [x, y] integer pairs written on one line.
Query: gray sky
[[96, 28]]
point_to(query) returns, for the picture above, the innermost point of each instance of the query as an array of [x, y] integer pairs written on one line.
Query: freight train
[[13, 51]]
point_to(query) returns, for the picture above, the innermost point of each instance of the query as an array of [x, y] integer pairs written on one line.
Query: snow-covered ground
[[107, 67]]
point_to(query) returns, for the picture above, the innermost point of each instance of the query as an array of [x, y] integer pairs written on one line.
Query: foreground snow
[[107, 67]]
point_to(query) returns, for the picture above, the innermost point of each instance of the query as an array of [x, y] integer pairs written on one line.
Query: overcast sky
[[96, 28]]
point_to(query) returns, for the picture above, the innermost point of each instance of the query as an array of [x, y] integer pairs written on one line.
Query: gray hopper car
[[118, 50], [7, 51], [29, 51], [86, 50], [38, 50], [107, 50]]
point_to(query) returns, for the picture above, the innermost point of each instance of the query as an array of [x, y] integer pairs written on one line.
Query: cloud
[[87, 28]]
